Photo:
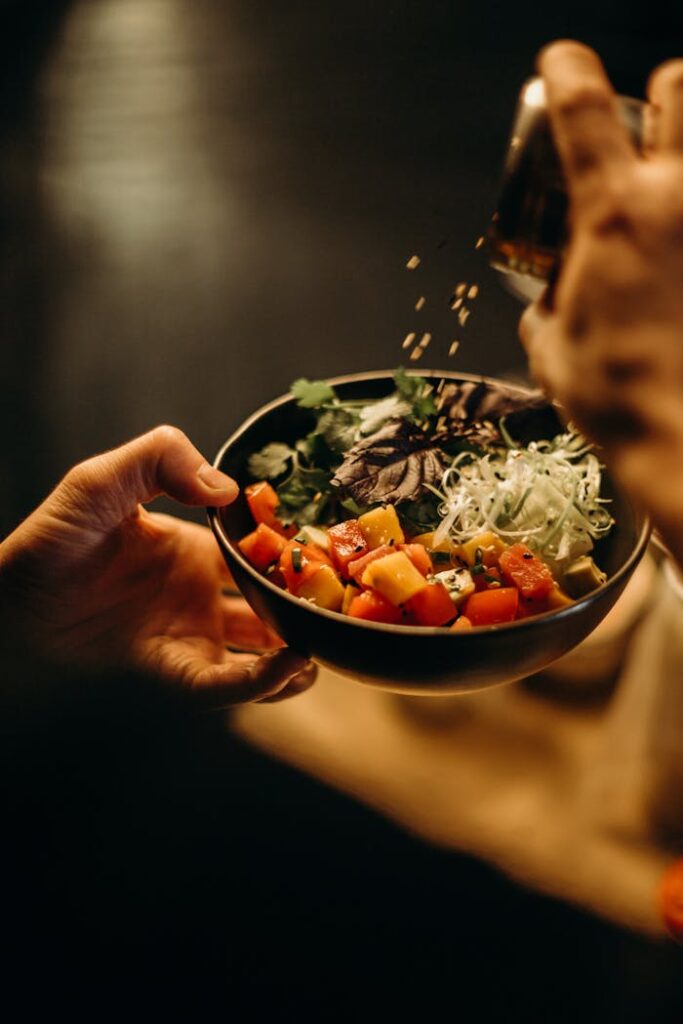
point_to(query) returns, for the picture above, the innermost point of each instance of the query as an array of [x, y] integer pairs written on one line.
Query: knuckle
[[80, 476], [166, 435]]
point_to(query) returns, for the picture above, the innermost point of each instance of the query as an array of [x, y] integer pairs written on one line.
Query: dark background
[[201, 200]]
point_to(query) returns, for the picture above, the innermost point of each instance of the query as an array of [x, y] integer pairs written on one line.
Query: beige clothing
[[568, 783]]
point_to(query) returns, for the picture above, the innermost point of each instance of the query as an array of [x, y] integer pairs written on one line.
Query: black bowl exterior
[[409, 659]]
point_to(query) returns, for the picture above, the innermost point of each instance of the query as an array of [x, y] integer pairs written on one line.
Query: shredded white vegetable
[[546, 495]]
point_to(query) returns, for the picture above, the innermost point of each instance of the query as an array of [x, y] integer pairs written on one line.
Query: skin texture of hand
[[607, 343], [93, 579]]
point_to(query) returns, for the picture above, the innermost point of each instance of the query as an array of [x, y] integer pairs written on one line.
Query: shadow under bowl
[[408, 659]]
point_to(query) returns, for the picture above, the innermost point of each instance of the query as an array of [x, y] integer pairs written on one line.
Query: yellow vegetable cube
[[492, 547], [324, 588], [558, 599], [349, 593], [427, 539], [381, 526], [395, 577]]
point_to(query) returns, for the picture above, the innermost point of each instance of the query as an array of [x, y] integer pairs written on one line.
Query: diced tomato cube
[[419, 556], [262, 547], [299, 562], [347, 544], [490, 607], [522, 569], [432, 606], [372, 607]]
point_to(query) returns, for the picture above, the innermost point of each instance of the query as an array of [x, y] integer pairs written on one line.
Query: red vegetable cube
[[432, 606], [347, 544], [522, 569]]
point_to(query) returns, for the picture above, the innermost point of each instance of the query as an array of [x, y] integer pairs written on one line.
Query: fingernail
[[212, 478]]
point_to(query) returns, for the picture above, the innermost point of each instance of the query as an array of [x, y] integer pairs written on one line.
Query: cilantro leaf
[[414, 391], [422, 515], [338, 427], [301, 496], [271, 462], [375, 414], [311, 394]]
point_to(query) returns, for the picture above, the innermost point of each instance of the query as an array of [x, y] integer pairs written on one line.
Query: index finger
[[591, 140]]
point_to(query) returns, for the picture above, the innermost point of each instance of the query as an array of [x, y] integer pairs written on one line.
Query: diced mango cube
[[324, 588], [427, 539], [349, 593], [381, 526], [490, 545], [558, 599], [395, 577]]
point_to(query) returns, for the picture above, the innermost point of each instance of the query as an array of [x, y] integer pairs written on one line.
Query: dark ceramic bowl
[[409, 659]]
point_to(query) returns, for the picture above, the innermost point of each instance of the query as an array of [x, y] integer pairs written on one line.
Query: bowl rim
[[556, 614]]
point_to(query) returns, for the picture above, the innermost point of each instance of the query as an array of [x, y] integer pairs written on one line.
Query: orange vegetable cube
[[461, 624], [262, 547], [298, 562], [372, 607], [491, 607], [262, 501], [419, 556]]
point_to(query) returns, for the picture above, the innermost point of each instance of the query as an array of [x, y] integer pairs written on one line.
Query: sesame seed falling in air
[[479, 242], [408, 340], [455, 345], [420, 303], [413, 263]]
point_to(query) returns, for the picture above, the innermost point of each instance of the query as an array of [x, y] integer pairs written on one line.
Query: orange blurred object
[[671, 899]]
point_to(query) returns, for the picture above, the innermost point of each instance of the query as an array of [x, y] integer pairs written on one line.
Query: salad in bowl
[[429, 533]]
